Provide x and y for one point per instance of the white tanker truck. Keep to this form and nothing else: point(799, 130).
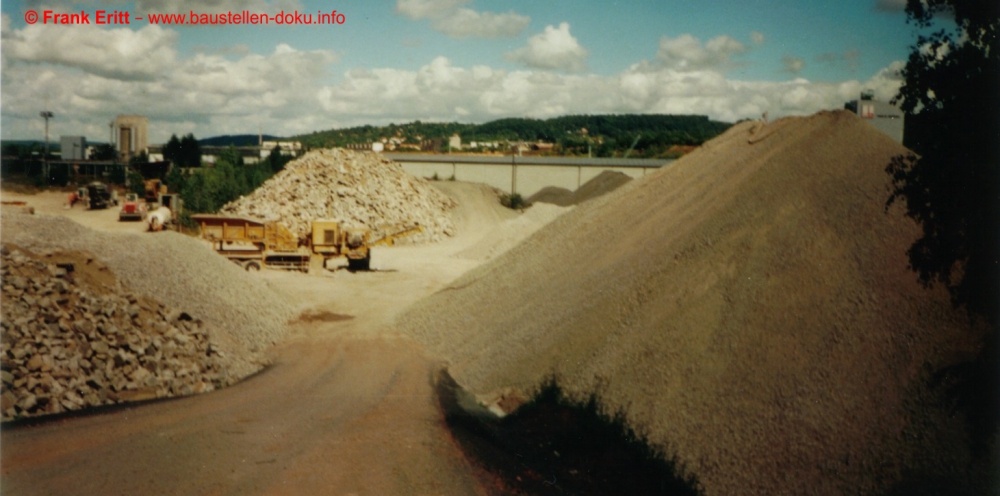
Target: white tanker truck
point(166, 214)
point(159, 218)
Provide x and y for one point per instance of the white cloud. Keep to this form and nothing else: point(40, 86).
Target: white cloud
point(757, 37)
point(443, 92)
point(428, 9)
point(286, 92)
point(116, 53)
point(554, 48)
point(238, 49)
point(793, 65)
point(86, 81)
point(467, 23)
point(452, 19)
point(687, 53)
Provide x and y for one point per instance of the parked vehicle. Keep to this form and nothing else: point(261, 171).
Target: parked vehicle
point(99, 197)
point(132, 208)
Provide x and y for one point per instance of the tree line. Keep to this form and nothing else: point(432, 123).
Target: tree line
point(639, 135)
point(207, 189)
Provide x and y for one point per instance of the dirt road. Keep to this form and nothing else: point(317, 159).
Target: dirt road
point(347, 407)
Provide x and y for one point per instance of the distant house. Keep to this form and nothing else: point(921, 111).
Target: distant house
point(886, 117)
point(250, 154)
point(286, 148)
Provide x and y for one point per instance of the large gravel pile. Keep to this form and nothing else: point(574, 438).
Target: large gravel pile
point(749, 310)
point(243, 313)
point(510, 232)
point(600, 184)
point(71, 341)
point(357, 188)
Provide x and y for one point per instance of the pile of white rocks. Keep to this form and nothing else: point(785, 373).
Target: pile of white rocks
point(356, 188)
point(68, 345)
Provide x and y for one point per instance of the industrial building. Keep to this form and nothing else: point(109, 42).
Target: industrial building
point(73, 147)
point(886, 117)
point(131, 135)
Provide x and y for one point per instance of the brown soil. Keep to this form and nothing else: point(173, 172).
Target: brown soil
point(54, 203)
point(749, 310)
point(332, 416)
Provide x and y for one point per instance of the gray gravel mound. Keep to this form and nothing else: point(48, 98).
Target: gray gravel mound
point(601, 184)
point(748, 310)
point(244, 314)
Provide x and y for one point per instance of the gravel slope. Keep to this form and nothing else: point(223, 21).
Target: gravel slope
point(600, 184)
point(748, 309)
point(243, 313)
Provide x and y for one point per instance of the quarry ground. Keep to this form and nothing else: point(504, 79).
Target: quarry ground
point(347, 406)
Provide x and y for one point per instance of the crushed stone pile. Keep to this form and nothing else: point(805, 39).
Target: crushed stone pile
point(510, 232)
point(556, 195)
point(748, 310)
point(243, 313)
point(68, 344)
point(357, 188)
point(601, 184)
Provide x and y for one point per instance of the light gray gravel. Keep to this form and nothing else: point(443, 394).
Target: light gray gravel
point(244, 313)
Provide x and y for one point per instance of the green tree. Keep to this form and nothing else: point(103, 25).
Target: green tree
point(172, 150)
point(951, 84)
point(175, 179)
point(190, 151)
point(117, 174)
point(207, 190)
point(276, 160)
point(137, 183)
point(13, 150)
point(104, 152)
point(952, 189)
point(139, 159)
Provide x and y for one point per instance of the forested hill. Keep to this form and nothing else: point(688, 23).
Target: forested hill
point(603, 135)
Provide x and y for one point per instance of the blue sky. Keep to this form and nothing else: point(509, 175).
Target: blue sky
point(441, 60)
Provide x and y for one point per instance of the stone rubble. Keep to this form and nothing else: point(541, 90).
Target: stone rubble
point(243, 312)
point(67, 345)
point(356, 188)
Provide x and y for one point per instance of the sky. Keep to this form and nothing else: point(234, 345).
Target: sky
point(396, 61)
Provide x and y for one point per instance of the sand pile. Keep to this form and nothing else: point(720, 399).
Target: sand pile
point(748, 309)
point(601, 184)
point(242, 313)
point(510, 232)
point(358, 188)
point(73, 337)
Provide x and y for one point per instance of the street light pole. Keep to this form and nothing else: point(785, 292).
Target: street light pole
point(45, 158)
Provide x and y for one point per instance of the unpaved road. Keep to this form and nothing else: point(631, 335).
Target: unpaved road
point(347, 407)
